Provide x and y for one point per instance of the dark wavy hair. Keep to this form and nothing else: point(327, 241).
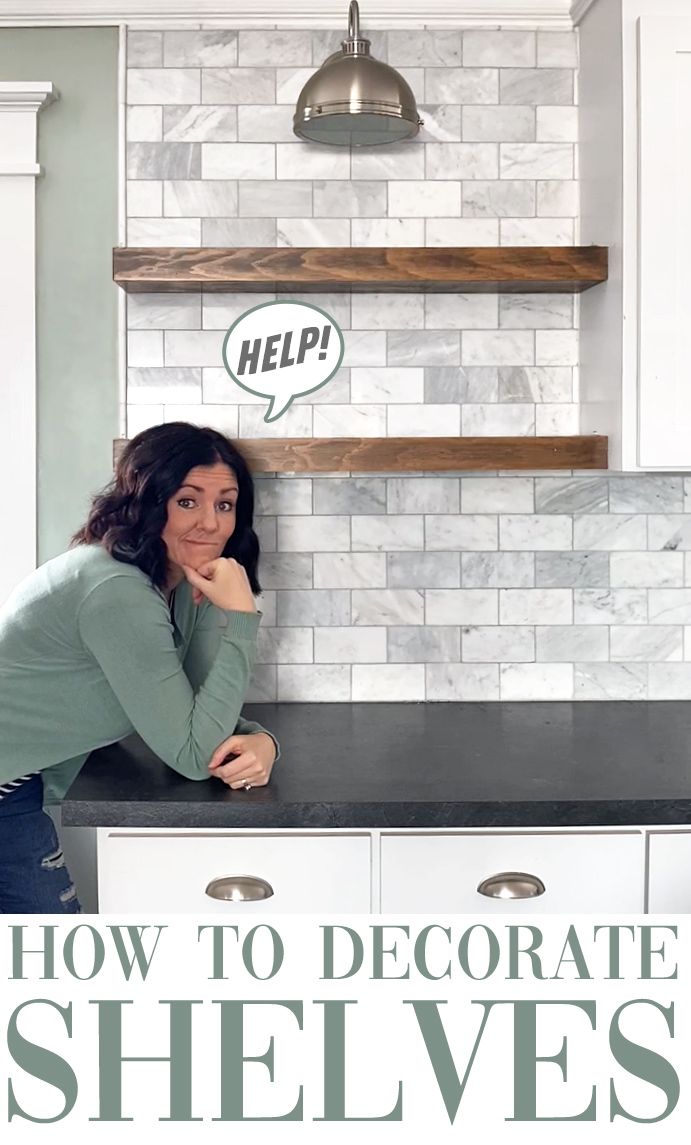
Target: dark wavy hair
point(128, 516)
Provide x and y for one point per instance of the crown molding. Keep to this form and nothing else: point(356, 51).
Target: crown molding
point(286, 13)
point(579, 9)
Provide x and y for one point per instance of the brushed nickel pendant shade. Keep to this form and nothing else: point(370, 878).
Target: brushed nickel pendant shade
point(354, 100)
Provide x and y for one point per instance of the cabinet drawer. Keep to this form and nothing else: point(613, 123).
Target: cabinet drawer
point(170, 872)
point(580, 872)
point(669, 872)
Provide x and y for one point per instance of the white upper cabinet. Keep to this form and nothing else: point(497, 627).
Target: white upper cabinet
point(635, 172)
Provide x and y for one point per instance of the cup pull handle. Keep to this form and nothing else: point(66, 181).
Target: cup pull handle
point(239, 888)
point(512, 885)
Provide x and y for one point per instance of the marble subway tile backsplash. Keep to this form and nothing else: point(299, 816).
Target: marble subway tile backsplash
point(499, 586)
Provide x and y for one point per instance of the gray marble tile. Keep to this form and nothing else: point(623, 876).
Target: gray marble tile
point(611, 681)
point(669, 605)
point(498, 570)
point(429, 47)
point(388, 232)
point(498, 348)
point(382, 311)
point(495, 420)
point(610, 606)
point(571, 495)
point(351, 199)
point(237, 85)
point(388, 606)
point(551, 86)
point(312, 232)
point(163, 160)
point(431, 644)
point(290, 82)
point(497, 644)
point(266, 123)
point(422, 495)
point(462, 85)
point(461, 383)
point(669, 681)
point(239, 232)
point(498, 198)
point(217, 48)
point(646, 642)
point(144, 49)
point(462, 682)
point(314, 534)
point(461, 311)
point(557, 49)
point(423, 348)
point(151, 385)
point(286, 497)
point(572, 570)
point(144, 198)
point(313, 606)
point(650, 493)
point(535, 383)
point(286, 570)
point(349, 495)
point(423, 570)
point(349, 420)
point(397, 161)
point(573, 642)
point(279, 199)
point(505, 48)
point(199, 123)
point(144, 124)
point(262, 687)
point(163, 312)
point(670, 531)
point(200, 198)
point(164, 232)
point(557, 197)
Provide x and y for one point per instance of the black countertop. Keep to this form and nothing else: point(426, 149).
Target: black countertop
point(419, 765)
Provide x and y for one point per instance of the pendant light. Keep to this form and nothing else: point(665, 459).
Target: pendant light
point(354, 100)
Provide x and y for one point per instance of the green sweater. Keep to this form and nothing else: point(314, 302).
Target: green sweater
point(89, 654)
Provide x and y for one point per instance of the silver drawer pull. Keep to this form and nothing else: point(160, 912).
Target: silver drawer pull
point(512, 885)
point(239, 888)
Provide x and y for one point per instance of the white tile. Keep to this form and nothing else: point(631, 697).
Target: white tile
point(193, 348)
point(461, 311)
point(164, 232)
point(144, 124)
point(396, 161)
point(364, 348)
point(388, 232)
point(462, 232)
point(404, 681)
point(238, 161)
point(313, 232)
point(383, 311)
point(423, 420)
point(556, 49)
point(462, 85)
point(646, 642)
point(495, 420)
point(145, 348)
point(572, 642)
point(275, 48)
point(349, 570)
point(557, 420)
point(498, 348)
point(462, 160)
point(467, 532)
point(500, 124)
point(461, 606)
point(669, 605)
point(611, 681)
point(350, 420)
point(313, 683)
point(350, 645)
point(145, 197)
point(215, 48)
point(669, 681)
point(536, 681)
point(291, 498)
point(295, 422)
point(284, 645)
point(535, 606)
point(143, 417)
point(536, 232)
point(557, 198)
point(238, 86)
point(163, 85)
point(647, 570)
point(608, 531)
point(387, 384)
point(556, 347)
point(430, 47)
point(290, 82)
point(422, 495)
point(610, 606)
point(200, 123)
point(497, 643)
point(424, 198)
point(386, 531)
point(144, 49)
point(500, 49)
point(497, 494)
point(222, 418)
point(557, 124)
point(313, 534)
point(311, 161)
point(200, 198)
point(535, 161)
point(387, 606)
point(462, 681)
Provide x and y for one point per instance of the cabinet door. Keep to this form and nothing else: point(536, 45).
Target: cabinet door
point(580, 872)
point(669, 872)
point(170, 872)
point(664, 172)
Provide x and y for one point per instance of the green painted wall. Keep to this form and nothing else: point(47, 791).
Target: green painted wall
point(76, 298)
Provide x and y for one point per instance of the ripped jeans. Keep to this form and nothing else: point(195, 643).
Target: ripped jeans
point(33, 875)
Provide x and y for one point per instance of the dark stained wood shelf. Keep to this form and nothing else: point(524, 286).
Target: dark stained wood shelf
point(562, 269)
point(411, 454)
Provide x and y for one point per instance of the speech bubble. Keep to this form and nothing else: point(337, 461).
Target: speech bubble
point(281, 350)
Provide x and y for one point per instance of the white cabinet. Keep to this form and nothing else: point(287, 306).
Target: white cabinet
point(635, 184)
point(597, 871)
point(169, 872)
point(669, 872)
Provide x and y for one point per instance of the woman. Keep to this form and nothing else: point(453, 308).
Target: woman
point(147, 623)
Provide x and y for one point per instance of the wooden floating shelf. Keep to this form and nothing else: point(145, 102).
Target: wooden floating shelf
point(406, 454)
point(557, 269)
